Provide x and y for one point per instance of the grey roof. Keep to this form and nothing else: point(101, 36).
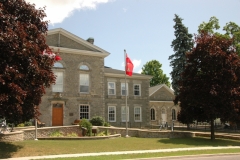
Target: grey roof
point(154, 89)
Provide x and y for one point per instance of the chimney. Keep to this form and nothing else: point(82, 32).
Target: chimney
point(90, 40)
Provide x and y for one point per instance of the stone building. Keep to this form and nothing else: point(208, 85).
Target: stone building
point(85, 88)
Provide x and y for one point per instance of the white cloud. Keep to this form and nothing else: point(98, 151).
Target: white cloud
point(136, 63)
point(124, 10)
point(140, 71)
point(58, 10)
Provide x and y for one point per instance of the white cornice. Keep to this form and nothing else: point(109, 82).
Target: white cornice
point(80, 52)
point(76, 38)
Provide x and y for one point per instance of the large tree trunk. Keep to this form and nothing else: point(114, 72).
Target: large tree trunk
point(212, 130)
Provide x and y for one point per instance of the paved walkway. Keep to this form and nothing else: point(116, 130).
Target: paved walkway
point(121, 152)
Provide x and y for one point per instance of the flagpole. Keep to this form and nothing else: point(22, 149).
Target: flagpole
point(126, 94)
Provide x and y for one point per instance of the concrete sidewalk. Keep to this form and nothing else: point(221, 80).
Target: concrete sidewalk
point(120, 152)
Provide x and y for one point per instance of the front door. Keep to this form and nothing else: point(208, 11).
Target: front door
point(57, 114)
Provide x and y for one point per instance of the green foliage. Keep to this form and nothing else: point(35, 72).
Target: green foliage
point(28, 123)
point(20, 125)
point(86, 124)
point(153, 68)
point(209, 26)
point(73, 134)
point(181, 45)
point(106, 124)
point(56, 133)
point(97, 121)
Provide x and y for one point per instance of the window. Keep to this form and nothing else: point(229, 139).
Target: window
point(163, 111)
point(111, 88)
point(123, 89)
point(84, 111)
point(123, 113)
point(84, 83)
point(58, 86)
point(84, 67)
point(173, 114)
point(137, 114)
point(58, 65)
point(152, 114)
point(111, 113)
point(137, 89)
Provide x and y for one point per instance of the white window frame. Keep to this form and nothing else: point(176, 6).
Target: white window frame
point(86, 84)
point(114, 88)
point(123, 85)
point(113, 115)
point(58, 86)
point(84, 112)
point(123, 114)
point(139, 90)
point(138, 112)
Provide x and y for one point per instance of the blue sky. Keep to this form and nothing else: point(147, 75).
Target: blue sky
point(143, 27)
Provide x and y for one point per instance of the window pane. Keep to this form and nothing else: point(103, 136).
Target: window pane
point(84, 111)
point(58, 65)
point(84, 83)
point(123, 110)
point(137, 90)
point(111, 88)
point(123, 90)
point(111, 114)
point(84, 67)
point(58, 86)
point(137, 114)
point(152, 114)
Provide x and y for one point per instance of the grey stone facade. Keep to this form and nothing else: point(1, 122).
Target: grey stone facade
point(64, 106)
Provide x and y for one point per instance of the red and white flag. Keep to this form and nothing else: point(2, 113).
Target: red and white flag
point(129, 66)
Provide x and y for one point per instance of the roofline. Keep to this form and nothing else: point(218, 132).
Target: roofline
point(163, 85)
point(129, 77)
point(76, 38)
point(163, 101)
point(79, 52)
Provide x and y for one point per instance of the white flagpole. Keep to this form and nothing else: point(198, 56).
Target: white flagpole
point(126, 117)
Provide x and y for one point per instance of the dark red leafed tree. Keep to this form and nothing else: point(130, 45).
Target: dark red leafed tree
point(210, 88)
point(25, 60)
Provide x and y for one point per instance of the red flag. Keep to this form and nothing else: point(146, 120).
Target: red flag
point(129, 66)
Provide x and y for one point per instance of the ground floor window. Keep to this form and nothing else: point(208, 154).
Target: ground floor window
point(84, 111)
point(152, 114)
point(112, 113)
point(137, 114)
point(173, 114)
point(124, 114)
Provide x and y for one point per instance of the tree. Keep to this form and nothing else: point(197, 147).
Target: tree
point(154, 68)
point(232, 30)
point(182, 44)
point(25, 60)
point(210, 87)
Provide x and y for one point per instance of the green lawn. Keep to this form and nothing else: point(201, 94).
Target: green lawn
point(54, 147)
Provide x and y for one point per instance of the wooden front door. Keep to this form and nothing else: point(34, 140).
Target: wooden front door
point(57, 114)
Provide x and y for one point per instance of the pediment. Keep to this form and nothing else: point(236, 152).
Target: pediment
point(161, 93)
point(63, 39)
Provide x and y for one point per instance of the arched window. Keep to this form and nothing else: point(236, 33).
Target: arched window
point(163, 111)
point(58, 65)
point(173, 114)
point(84, 67)
point(152, 114)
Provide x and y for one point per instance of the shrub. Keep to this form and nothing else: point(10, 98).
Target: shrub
point(20, 125)
point(86, 124)
point(72, 134)
point(106, 124)
point(28, 123)
point(97, 121)
point(56, 133)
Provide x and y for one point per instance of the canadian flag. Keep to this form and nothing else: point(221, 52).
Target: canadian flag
point(129, 66)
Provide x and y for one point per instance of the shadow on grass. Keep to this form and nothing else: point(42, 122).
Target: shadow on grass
point(7, 149)
point(200, 141)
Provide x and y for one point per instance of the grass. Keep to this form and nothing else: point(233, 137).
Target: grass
point(55, 147)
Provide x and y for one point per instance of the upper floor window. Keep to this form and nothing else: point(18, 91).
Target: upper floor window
point(111, 88)
point(58, 86)
point(152, 114)
point(137, 90)
point(124, 90)
point(84, 67)
point(84, 83)
point(58, 65)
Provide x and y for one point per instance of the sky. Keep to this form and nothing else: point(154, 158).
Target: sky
point(144, 28)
